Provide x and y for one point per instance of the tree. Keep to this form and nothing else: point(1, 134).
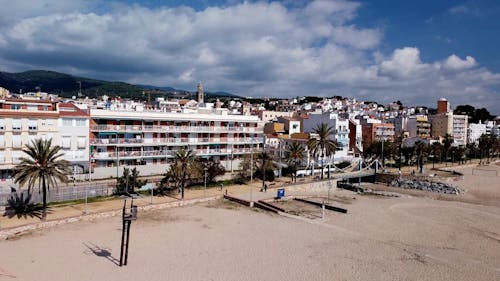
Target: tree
point(265, 166)
point(294, 155)
point(184, 159)
point(322, 145)
point(129, 181)
point(447, 142)
point(43, 168)
point(420, 150)
point(436, 149)
point(214, 169)
point(475, 114)
point(486, 142)
point(245, 169)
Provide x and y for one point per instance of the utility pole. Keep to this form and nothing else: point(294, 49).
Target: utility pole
point(251, 163)
point(263, 162)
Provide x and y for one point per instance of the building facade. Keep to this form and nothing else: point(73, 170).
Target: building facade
point(148, 139)
point(73, 131)
point(22, 120)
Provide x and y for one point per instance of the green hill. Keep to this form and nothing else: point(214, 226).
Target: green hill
point(66, 85)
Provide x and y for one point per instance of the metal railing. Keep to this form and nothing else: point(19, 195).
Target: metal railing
point(164, 153)
point(64, 193)
point(167, 141)
point(155, 128)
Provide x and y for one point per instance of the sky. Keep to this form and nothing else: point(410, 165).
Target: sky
point(377, 50)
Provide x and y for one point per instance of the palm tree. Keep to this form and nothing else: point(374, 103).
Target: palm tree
point(185, 159)
point(436, 150)
point(323, 145)
point(294, 156)
point(420, 150)
point(41, 168)
point(265, 160)
point(447, 142)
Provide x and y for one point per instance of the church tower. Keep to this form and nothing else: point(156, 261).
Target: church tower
point(199, 94)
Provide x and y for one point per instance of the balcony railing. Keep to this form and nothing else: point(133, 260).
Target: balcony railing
point(167, 141)
point(165, 153)
point(155, 128)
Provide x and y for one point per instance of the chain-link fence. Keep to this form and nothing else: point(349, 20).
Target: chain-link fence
point(64, 193)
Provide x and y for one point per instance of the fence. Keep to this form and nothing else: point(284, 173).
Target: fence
point(64, 193)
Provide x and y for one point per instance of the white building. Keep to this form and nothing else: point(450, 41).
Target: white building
point(148, 139)
point(73, 128)
point(341, 127)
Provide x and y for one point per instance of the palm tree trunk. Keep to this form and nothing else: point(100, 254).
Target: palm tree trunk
point(295, 172)
point(44, 197)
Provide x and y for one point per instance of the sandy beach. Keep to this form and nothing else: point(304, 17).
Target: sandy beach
point(412, 237)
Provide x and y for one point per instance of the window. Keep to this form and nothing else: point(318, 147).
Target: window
point(45, 108)
point(32, 107)
point(67, 122)
point(2, 157)
point(16, 141)
point(2, 141)
point(66, 141)
point(82, 141)
point(47, 122)
point(16, 125)
point(16, 155)
point(32, 124)
point(81, 122)
point(32, 138)
point(2, 124)
point(15, 106)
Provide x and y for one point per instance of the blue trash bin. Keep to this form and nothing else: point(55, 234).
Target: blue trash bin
point(281, 193)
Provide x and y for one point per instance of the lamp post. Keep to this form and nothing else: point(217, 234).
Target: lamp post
point(251, 162)
point(205, 185)
point(263, 162)
point(400, 153)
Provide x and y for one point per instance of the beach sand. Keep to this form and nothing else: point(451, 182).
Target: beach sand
point(380, 238)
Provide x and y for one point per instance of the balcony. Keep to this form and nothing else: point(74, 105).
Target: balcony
point(182, 129)
point(171, 141)
point(166, 153)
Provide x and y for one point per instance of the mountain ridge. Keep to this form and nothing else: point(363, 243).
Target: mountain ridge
point(67, 85)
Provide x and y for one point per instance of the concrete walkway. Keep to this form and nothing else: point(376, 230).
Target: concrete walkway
point(77, 210)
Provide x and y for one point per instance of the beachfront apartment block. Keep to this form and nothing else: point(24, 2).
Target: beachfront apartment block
point(22, 120)
point(148, 139)
point(73, 131)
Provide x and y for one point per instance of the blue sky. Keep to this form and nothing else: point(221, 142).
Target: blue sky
point(413, 51)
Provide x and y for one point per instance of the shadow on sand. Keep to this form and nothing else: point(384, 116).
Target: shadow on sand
point(101, 252)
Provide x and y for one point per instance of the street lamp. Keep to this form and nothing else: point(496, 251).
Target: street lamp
point(205, 169)
point(263, 162)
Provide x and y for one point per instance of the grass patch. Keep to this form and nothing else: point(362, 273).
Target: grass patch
point(81, 201)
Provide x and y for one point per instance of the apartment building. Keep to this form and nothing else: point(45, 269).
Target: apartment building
point(475, 131)
point(73, 130)
point(292, 125)
point(269, 115)
point(340, 126)
point(355, 136)
point(377, 132)
point(22, 120)
point(452, 124)
point(148, 139)
point(418, 126)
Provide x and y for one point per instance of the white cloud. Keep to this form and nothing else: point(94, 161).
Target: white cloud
point(453, 62)
point(258, 49)
point(404, 63)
